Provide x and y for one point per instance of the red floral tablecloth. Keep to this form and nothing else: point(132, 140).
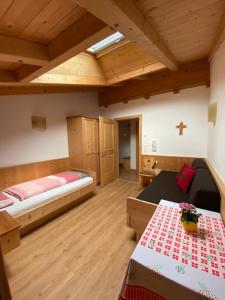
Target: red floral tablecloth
point(169, 263)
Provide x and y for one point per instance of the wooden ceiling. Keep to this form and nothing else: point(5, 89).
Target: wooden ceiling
point(187, 27)
point(45, 41)
point(37, 21)
point(38, 35)
point(115, 65)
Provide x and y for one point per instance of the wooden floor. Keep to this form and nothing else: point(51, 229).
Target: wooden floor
point(81, 255)
point(128, 175)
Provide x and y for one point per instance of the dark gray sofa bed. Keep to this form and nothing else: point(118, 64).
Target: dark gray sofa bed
point(203, 192)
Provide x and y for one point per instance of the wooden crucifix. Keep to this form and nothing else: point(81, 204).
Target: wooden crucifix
point(181, 127)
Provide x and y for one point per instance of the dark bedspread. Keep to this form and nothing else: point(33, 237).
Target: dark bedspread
point(163, 187)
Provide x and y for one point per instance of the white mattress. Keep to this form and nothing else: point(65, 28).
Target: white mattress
point(22, 206)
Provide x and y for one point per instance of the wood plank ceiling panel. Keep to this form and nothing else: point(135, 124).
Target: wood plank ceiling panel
point(188, 27)
point(83, 69)
point(50, 20)
point(19, 15)
point(4, 5)
point(127, 61)
point(38, 20)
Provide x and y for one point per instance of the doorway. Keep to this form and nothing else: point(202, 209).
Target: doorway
point(129, 147)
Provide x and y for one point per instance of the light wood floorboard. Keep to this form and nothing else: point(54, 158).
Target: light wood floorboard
point(81, 255)
point(128, 175)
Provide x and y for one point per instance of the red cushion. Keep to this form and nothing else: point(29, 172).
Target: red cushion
point(184, 177)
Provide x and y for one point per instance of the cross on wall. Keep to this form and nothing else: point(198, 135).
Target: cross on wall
point(181, 127)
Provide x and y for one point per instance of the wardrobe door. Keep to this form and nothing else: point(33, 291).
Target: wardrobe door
point(74, 126)
point(89, 144)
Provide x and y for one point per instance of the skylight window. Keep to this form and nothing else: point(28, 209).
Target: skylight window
point(112, 39)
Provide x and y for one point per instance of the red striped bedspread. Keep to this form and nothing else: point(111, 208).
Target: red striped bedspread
point(5, 201)
point(32, 188)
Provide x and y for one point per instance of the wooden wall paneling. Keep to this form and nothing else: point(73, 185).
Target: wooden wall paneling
point(189, 75)
point(126, 17)
point(168, 163)
point(17, 174)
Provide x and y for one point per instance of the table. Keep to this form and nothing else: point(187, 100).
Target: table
point(9, 240)
point(147, 176)
point(169, 263)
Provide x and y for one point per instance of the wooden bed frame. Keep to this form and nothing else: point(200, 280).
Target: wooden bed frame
point(39, 215)
point(139, 212)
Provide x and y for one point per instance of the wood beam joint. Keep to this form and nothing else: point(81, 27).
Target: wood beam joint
point(77, 38)
point(126, 17)
point(20, 51)
point(189, 75)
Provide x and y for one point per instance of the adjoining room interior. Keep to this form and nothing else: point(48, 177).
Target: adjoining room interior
point(129, 149)
point(112, 178)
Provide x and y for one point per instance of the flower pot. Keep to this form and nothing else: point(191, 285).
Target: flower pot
point(190, 226)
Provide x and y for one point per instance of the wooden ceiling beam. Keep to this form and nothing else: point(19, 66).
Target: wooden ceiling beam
point(125, 17)
point(19, 51)
point(7, 77)
point(219, 38)
point(43, 89)
point(78, 37)
point(140, 71)
point(189, 75)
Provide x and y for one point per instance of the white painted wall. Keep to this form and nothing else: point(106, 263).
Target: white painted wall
point(124, 140)
point(20, 144)
point(161, 114)
point(133, 154)
point(216, 139)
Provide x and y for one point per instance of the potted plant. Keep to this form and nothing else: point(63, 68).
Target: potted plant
point(189, 216)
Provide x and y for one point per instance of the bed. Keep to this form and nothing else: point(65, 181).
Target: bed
point(39, 209)
point(203, 193)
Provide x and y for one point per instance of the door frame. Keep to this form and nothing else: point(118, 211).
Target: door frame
point(139, 145)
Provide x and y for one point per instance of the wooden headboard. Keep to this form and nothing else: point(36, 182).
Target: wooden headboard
point(17, 174)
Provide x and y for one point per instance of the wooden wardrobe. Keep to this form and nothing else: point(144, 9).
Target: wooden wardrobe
point(83, 139)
